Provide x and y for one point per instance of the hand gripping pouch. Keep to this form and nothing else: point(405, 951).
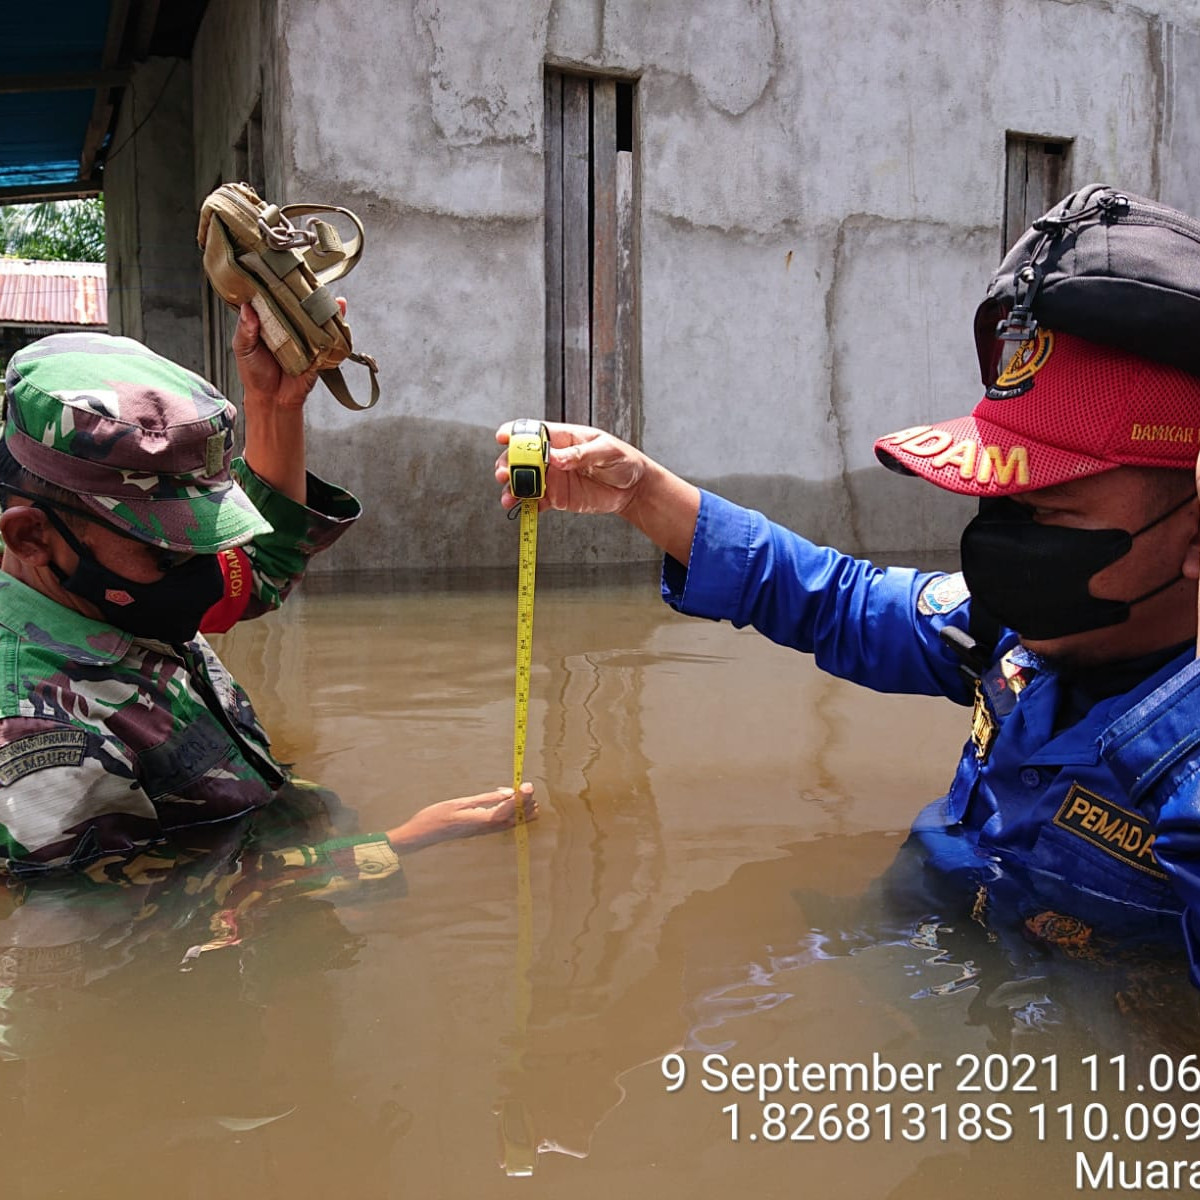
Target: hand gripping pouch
point(254, 252)
point(1105, 265)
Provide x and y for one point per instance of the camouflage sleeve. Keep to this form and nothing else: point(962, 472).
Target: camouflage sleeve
point(71, 804)
point(239, 880)
point(110, 853)
point(66, 931)
point(332, 866)
point(259, 576)
point(233, 888)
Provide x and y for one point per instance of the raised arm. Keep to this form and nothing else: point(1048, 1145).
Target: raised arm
point(273, 404)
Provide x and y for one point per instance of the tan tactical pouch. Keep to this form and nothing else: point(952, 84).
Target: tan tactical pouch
point(253, 252)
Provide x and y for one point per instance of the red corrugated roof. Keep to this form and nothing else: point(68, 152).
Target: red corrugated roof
point(53, 293)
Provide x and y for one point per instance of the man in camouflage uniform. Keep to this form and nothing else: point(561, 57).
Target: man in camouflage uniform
point(126, 530)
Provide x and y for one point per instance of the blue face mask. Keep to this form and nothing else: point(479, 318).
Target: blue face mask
point(1035, 578)
point(168, 610)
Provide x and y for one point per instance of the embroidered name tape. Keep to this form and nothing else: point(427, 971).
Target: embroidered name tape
point(55, 748)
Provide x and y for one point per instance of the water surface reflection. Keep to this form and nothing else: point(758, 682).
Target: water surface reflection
point(714, 873)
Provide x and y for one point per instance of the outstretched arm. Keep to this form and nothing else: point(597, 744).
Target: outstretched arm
point(488, 812)
point(729, 563)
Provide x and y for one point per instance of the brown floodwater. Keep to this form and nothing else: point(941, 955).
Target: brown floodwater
point(705, 888)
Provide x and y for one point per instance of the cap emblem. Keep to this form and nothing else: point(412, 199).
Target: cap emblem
point(1017, 376)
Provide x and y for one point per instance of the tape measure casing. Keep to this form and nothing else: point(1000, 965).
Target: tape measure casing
point(528, 458)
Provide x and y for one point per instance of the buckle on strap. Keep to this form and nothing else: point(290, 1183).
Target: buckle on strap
point(280, 234)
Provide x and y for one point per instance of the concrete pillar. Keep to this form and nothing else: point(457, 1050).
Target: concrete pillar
point(154, 271)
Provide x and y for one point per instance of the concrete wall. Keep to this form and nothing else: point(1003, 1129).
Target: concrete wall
point(235, 62)
point(821, 204)
point(150, 215)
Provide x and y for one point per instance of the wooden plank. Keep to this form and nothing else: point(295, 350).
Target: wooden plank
point(604, 252)
point(103, 106)
point(71, 81)
point(1036, 187)
point(255, 152)
point(145, 21)
point(1016, 158)
point(29, 194)
point(624, 419)
point(553, 150)
point(576, 250)
point(1044, 178)
point(1054, 159)
point(94, 134)
point(208, 333)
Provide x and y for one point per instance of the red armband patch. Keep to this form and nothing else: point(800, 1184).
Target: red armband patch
point(225, 614)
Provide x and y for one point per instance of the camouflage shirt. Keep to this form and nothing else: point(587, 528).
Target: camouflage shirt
point(110, 744)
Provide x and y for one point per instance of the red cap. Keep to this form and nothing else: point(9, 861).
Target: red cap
point(1062, 408)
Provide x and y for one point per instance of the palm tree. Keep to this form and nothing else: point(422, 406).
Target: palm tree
point(59, 230)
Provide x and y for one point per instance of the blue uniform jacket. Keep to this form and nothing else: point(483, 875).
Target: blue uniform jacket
point(1099, 821)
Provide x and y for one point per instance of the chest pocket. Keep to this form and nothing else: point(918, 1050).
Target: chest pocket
point(187, 755)
point(1104, 848)
point(1123, 835)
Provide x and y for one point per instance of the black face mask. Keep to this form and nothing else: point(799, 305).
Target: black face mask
point(1034, 578)
point(168, 610)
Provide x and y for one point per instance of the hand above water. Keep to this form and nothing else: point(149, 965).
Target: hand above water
point(273, 404)
point(591, 471)
point(489, 812)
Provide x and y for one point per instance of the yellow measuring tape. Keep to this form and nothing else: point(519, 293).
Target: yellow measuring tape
point(528, 455)
point(527, 559)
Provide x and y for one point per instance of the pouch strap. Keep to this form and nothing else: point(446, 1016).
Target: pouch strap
point(321, 306)
point(282, 262)
point(329, 255)
point(332, 379)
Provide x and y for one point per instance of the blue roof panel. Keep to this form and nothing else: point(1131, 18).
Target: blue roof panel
point(43, 39)
point(43, 136)
point(41, 132)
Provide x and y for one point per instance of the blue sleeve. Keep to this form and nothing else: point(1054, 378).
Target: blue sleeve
point(861, 622)
point(1154, 751)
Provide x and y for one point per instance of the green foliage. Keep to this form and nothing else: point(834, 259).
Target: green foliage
point(56, 230)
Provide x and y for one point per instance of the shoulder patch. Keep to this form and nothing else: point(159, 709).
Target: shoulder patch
point(1115, 830)
point(942, 594)
point(55, 748)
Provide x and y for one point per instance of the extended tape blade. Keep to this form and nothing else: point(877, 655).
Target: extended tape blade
point(520, 1151)
point(525, 586)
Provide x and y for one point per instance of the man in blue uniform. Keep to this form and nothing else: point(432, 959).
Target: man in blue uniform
point(1071, 629)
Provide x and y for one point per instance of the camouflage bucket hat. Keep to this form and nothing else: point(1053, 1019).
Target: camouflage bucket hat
point(144, 443)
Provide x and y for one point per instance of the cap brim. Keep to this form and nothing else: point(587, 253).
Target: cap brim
point(205, 522)
point(975, 457)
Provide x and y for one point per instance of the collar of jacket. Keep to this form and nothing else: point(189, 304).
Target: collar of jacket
point(58, 629)
point(1082, 741)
